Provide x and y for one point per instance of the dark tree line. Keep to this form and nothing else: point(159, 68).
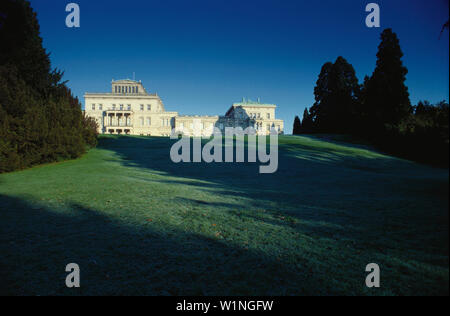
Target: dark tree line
point(379, 110)
point(40, 120)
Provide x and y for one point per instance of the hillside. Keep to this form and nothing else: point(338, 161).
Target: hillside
point(137, 223)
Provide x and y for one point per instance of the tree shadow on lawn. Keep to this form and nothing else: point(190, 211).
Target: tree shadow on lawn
point(36, 244)
point(313, 181)
point(385, 205)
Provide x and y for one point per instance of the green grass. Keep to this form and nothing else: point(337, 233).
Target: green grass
point(137, 223)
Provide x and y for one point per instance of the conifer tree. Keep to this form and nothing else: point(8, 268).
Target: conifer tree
point(40, 120)
point(386, 98)
point(297, 126)
point(307, 123)
point(336, 97)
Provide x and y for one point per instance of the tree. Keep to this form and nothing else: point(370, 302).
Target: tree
point(297, 126)
point(386, 98)
point(41, 121)
point(307, 122)
point(336, 97)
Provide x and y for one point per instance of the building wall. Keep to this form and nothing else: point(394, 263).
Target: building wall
point(132, 110)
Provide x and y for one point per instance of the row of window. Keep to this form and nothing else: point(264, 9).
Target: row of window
point(148, 121)
point(259, 126)
point(191, 125)
point(258, 115)
point(121, 107)
point(126, 89)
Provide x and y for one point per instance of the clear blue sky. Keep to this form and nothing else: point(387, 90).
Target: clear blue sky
point(200, 56)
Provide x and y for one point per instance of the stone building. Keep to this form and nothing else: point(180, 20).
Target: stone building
point(130, 109)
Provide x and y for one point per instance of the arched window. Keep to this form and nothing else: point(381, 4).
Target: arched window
point(149, 121)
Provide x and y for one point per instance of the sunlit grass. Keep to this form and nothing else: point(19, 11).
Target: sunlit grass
point(139, 224)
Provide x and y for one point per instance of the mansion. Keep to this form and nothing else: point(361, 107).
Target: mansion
point(130, 109)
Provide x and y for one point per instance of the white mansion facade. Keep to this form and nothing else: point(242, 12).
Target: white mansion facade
point(130, 109)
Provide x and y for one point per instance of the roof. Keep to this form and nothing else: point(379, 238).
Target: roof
point(248, 102)
point(125, 81)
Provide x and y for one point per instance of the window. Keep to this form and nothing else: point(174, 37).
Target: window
point(115, 89)
point(149, 107)
point(268, 115)
point(268, 127)
point(141, 119)
point(100, 107)
point(93, 107)
point(142, 107)
point(137, 89)
point(259, 115)
point(203, 125)
point(149, 121)
point(129, 107)
point(132, 89)
point(121, 107)
point(113, 107)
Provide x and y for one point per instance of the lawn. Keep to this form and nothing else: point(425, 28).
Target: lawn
point(138, 224)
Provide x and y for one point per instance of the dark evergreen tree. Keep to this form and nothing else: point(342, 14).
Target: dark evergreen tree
point(320, 110)
point(307, 122)
point(386, 98)
point(297, 126)
point(336, 97)
point(40, 119)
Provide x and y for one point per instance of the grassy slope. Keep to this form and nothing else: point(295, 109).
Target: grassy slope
point(137, 223)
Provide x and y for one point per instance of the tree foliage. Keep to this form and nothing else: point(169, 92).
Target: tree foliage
point(386, 98)
point(297, 126)
point(379, 109)
point(336, 94)
point(40, 120)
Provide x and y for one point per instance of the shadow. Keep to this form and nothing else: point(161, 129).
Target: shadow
point(350, 196)
point(308, 229)
point(36, 244)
